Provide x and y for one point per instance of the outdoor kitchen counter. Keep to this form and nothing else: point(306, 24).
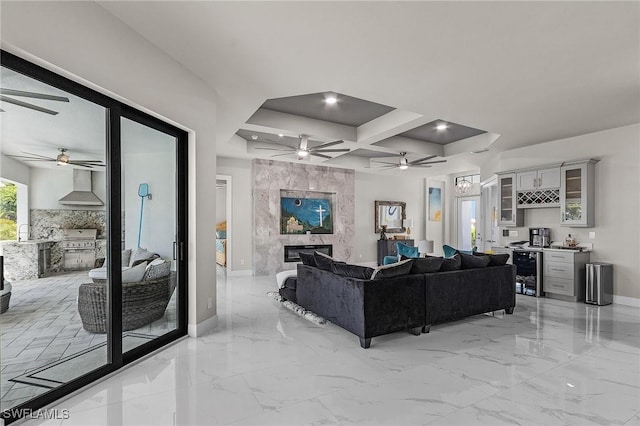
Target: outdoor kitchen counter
point(26, 260)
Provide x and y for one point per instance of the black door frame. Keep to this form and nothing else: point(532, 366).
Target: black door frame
point(115, 110)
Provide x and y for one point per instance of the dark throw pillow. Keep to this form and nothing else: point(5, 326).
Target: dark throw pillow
point(353, 271)
point(308, 259)
point(324, 261)
point(496, 259)
point(426, 265)
point(392, 270)
point(470, 261)
point(452, 263)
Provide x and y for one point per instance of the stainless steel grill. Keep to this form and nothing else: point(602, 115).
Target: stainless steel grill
point(79, 248)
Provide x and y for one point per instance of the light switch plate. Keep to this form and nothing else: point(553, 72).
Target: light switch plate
point(592, 235)
point(513, 233)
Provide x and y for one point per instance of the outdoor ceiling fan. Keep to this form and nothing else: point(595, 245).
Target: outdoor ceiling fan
point(303, 151)
point(6, 93)
point(61, 159)
point(404, 164)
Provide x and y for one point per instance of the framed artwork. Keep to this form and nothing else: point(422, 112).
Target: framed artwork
point(390, 214)
point(435, 204)
point(305, 215)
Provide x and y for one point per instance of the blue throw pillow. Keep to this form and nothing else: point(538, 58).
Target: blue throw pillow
point(449, 251)
point(407, 251)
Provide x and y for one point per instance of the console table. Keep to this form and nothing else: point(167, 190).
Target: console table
point(388, 248)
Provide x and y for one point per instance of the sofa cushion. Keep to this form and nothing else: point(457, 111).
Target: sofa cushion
point(308, 259)
point(426, 265)
point(393, 270)
point(452, 263)
point(408, 251)
point(158, 268)
point(470, 261)
point(496, 259)
point(324, 261)
point(135, 273)
point(353, 271)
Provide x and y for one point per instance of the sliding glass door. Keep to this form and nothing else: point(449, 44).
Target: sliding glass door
point(95, 241)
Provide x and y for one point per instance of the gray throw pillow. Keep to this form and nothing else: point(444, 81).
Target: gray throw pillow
point(308, 259)
point(134, 274)
point(126, 257)
point(157, 269)
point(323, 261)
point(139, 254)
point(392, 270)
point(495, 259)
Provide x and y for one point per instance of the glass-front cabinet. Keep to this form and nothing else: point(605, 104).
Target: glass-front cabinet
point(577, 193)
point(509, 214)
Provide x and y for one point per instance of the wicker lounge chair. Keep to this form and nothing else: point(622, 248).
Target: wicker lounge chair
point(142, 303)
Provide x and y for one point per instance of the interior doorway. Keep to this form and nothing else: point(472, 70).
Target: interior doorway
point(223, 224)
point(468, 214)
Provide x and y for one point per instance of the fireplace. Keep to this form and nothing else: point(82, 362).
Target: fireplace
point(292, 253)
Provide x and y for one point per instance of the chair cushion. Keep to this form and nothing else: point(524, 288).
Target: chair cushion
point(450, 251)
point(158, 268)
point(408, 251)
point(388, 260)
point(353, 271)
point(394, 270)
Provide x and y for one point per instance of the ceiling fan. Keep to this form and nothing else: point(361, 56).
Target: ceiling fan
point(303, 151)
point(404, 164)
point(6, 93)
point(61, 159)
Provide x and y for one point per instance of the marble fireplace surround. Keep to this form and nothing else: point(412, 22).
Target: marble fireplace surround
point(269, 178)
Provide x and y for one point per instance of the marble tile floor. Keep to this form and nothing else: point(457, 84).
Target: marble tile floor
point(42, 326)
point(550, 363)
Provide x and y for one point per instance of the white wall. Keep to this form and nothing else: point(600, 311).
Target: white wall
point(159, 214)
point(91, 46)
point(47, 186)
point(392, 187)
point(617, 198)
point(221, 204)
point(241, 241)
point(13, 170)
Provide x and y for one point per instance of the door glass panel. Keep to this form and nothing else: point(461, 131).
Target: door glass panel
point(149, 293)
point(573, 195)
point(467, 222)
point(506, 199)
point(54, 228)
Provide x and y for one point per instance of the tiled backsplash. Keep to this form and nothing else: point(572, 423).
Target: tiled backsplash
point(48, 224)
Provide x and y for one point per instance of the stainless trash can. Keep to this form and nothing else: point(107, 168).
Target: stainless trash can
point(599, 289)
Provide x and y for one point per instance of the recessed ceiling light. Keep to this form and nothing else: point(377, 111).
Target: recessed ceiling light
point(331, 100)
point(254, 137)
point(441, 126)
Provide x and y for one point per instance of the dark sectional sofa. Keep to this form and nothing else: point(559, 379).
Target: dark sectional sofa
point(413, 302)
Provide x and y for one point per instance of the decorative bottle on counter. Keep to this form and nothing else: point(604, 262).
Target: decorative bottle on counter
point(570, 241)
point(383, 229)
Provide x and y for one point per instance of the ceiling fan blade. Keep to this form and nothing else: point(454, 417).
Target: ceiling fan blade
point(420, 160)
point(384, 162)
point(87, 161)
point(275, 149)
point(429, 162)
point(23, 158)
point(331, 150)
point(26, 105)
point(279, 143)
point(22, 93)
point(86, 164)
point(328, 144)
point(320, 155)
point(286, 153)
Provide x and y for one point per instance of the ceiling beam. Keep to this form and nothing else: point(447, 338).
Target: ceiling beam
point(298, 125)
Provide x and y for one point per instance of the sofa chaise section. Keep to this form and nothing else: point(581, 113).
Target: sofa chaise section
point(366, 308)
point(458, 294)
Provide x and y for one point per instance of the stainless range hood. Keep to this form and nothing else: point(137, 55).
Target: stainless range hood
point(82, 194)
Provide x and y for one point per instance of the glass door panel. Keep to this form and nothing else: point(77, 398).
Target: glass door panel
point(149, 194)
point(53, 328)
point(573, 195)
point(468, 209)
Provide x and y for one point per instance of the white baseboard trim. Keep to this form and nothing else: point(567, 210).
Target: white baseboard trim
point(240, 273)
point(628, 301)
point(202, 328)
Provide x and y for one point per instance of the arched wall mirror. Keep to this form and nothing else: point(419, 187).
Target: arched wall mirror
point(390, 214)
